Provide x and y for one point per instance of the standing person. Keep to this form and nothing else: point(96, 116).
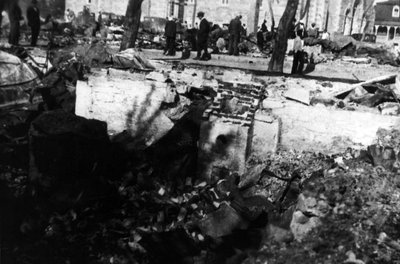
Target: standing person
point(260, 39)
point(192, 35)
point(264, 26)
point(66, 15)
point(15, 16)
point(298, 54)
point(300, 26)
point(71, 15)
point(313, 31)
point(325, 35)
point(99, 23)
point(100, 18)
point(292, 29)
point(235, 28)
point(170, 34)
point(33, 15)
point(202, 37)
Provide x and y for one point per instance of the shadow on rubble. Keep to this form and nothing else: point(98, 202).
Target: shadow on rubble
point(172, 158)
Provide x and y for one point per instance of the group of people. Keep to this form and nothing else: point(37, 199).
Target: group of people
point(200, 39)
point(201, 33)
point(299, 32)
point(34, 21)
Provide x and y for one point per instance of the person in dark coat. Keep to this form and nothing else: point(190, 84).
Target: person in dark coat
point(260, 39)
point(170, 34)
point(264, 26)
point(202, 38)
point(33, 15)
point(292, 29)
point(15, 17)
point(235, 28)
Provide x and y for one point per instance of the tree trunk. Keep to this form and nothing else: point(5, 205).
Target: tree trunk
point(132, 23)
point(194, 13)
point(256, 15)
point(271, 12)
point(278, 56)
point(327, 16)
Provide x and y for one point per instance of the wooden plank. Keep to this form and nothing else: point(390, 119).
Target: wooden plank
point(371, 81)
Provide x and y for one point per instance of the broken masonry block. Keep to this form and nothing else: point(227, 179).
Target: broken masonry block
point(327, 130)
point(266, 134)
point(65, 148)
point(134, 106)
point(222, 222)
point(222, 145)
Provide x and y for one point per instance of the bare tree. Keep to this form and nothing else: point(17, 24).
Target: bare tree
point(278, 56)
point(132, 23)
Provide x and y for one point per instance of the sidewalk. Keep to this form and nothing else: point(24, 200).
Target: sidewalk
point(335, 70)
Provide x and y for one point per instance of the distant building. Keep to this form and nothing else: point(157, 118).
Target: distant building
point(55, 8)
point(344, 16)
point(353, 16)
point(387, 21)
point(216, 11)
point(117, 7)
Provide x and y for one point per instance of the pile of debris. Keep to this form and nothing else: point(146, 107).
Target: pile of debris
point(188, 165)
point(350, 50)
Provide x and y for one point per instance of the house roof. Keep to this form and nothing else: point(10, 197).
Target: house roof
point(389, 2)
point(383, 13)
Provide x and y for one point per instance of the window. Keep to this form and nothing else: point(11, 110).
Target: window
point(225, 2)
point(89, 1)
point(396, 11)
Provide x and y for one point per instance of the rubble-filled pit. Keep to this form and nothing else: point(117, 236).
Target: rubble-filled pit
point(201, 165)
